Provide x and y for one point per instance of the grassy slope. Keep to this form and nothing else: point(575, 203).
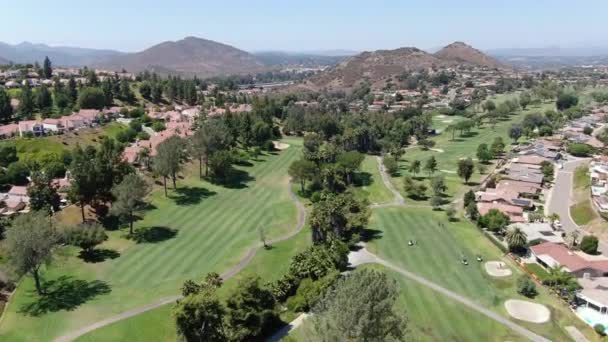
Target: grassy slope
point(372, 188)
point(158, 325)
point(214, 225)
point(462, 147)
point(437, 257)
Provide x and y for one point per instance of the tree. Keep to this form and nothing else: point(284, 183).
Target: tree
point(526, 286)
point(580, 149)
point(524, 99)
point(415, 190)
point(44, 100)
point(72, 90)
point(431, 165)
point(220, 164)
point(26, 101)
point(43, 194)
point(589, 244)
point(249, 311)
point(566, 101)
point(450, 212)
point(489, 106)
point(85, 235)
point(465, 169)
point(29, 244)
point(211, 137)
point(438, 185)
point(515, 132)
point(199, 316)
point(145, 89)
point(129, 195)
point(168, 159)
point(6, 110)
point(498, 147)
point(548, 170)
point(337, 217)
point(91, 98)
point(469, 197)
point(359, 307)
point(301, 171)
point(588, 130)
point(83, 170)
point(436, 202)
point(47, 70)
point(350, 162)
point(471, 211)
point(483, 153)
point(494, 220)
point(8, 155)
point(516, 239)
point(414, 167)
point(390, 165)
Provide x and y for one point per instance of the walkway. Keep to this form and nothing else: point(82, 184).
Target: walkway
point(398, 199)
point(225, 276)
point(363, 256)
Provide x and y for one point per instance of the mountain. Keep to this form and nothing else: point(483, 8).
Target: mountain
point(3, 61)
point(379, 66)
point(460, 52)
point(274, 58)
point(189, 56)
point(27, 52)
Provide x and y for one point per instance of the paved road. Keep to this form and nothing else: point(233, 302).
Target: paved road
point(225, 276)
point(560, 199)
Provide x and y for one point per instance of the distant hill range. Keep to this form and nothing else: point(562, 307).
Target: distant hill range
point(279, 58)
point(60, 55)
point(378, 66)
point(189, 56)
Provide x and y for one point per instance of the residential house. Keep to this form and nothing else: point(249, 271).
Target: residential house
point(515, 213)
point(578, 263)
point(538, 232)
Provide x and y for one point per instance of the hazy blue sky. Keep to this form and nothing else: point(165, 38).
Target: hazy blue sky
point(132, 25)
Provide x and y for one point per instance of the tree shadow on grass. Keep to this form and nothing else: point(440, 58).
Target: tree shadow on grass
point(363, 179)
point(153, 234)
point(65, 293)
point(369, 234)
point(98, 255)
point(190, 195)
point(237, 179)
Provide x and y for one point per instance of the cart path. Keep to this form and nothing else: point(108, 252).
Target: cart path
point(225, 276)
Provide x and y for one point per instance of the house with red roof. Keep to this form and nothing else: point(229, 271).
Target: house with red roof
point(578, 263)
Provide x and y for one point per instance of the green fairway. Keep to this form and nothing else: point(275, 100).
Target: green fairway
point(158, 324)
point(372, 187)
point(200, 228)
point(433, 317)
point(437, 257)
point(448, 151)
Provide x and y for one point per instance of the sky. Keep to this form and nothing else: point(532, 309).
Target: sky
point(307, 25)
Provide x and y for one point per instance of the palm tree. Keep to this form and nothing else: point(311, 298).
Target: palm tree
point(572, 238)
point(553, 217)
point(516, 238)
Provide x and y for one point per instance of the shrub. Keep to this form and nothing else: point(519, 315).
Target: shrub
point(391, 165)
point(589, 244)
point(599, 328)
point(526, 286)
point(580, 150)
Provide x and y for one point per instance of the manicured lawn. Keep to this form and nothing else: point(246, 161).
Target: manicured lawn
point(581, 178)
point(372, 186)
point(434, 317)
point(158, 324)
point(538, 271)
point(200, 228)
point(437, 257)
point(451, 151)
point(582, 212)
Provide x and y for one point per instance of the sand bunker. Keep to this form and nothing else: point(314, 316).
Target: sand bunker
point(497, 269)
point(279, 145)
point(527, 311)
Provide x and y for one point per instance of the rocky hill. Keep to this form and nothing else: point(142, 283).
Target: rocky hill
point(189, 56)
point(460, 52)
point(378, 66)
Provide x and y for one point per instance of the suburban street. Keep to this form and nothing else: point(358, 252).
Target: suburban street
point(560, 199)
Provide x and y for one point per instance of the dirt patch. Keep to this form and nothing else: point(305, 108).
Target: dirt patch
point(527, 311)
point(497, 269)
point(280, 146)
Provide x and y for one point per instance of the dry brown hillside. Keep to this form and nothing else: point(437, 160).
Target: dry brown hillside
point(460, 52)
point(189, 56)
